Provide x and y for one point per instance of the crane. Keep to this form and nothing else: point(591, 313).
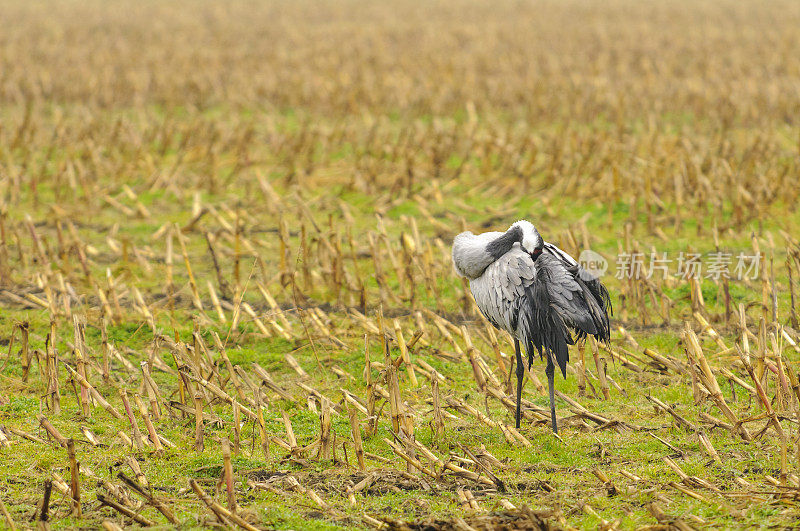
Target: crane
point(534, 291)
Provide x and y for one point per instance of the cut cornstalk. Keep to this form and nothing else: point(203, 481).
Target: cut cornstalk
point(228, 474)
point(355, 429)
point(401, 343)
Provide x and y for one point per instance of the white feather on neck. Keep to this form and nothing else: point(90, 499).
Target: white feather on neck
point(530, 236)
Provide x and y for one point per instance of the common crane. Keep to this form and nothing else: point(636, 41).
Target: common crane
point(534, 291)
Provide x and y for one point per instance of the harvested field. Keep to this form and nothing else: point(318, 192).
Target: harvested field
point(226, 290)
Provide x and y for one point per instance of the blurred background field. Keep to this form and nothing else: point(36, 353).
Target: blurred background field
point(198, 186)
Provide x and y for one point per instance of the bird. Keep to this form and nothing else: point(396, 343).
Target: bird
point(536, 292)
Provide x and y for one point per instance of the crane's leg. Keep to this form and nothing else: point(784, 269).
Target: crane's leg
point(550, 371)
point(520, 376)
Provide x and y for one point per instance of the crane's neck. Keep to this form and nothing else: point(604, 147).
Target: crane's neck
point(502, 244)
point(473, 254)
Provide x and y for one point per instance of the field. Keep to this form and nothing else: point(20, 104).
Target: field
point(226, 291)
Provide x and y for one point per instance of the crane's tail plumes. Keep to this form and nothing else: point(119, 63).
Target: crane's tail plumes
point(542, 328)
point(554, 307)
point(598, 307)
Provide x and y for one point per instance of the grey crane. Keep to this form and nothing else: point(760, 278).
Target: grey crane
point(534, 291)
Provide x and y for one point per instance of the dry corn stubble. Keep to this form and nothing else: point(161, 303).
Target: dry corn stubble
point(233, 195)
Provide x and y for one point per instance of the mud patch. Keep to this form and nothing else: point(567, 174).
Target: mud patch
point(517, 519)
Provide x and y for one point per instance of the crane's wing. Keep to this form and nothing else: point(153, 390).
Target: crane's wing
point(500, 291)
point(590, 283)
point(538, 302)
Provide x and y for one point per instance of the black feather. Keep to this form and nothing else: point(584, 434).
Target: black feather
point(593, 291)
point(542, 327)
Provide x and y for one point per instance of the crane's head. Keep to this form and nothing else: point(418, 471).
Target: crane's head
point(531, 241)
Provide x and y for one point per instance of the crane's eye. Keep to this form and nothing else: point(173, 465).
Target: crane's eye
point(536, 252)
